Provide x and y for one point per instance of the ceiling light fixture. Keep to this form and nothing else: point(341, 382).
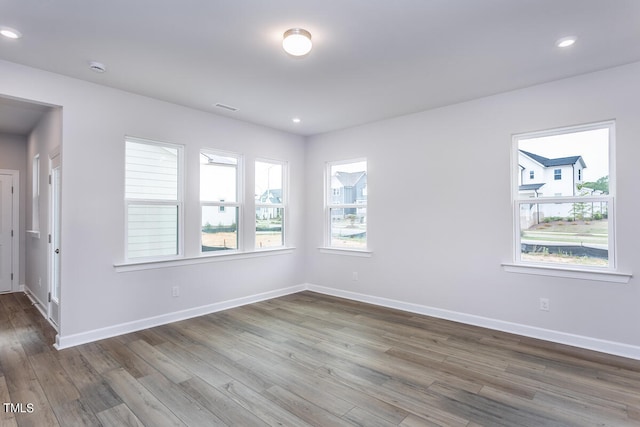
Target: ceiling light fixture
point(297, 42)
point(296, 120)
point(10, 33)
point(566, 41)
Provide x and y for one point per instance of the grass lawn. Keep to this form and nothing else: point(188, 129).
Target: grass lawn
point(571, 232)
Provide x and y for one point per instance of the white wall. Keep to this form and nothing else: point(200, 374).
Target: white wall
point(95, 120)
point(13, 155)
point(438, 245)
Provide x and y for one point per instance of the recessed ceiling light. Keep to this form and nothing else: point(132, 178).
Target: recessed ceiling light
point(296, 120)
point(566, 41)
point(10, 33)
point(297, 42)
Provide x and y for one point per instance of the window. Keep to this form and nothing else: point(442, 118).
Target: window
point(575, 226)
point(557, 174)
point(346, 204)
point(153, 198)
point(270, 199)
point(532, 174)
point(35, 194)
point(219, 200)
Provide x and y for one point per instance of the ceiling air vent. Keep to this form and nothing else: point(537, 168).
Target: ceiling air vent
point(226, 107)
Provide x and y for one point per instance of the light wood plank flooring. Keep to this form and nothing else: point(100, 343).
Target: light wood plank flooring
point(307, 359)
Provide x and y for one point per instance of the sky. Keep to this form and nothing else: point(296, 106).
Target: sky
point(592, 145)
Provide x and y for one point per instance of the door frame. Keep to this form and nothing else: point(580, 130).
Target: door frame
point(54, 318)
point(15, 226)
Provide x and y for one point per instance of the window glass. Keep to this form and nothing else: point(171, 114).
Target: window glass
point(269, 196)
point(153, 198)
point(347, 205)
point(563, 216)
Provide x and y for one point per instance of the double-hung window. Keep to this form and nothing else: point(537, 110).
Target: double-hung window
point(220, 198)
point(565, 222)
point(270, 203)
point(153, 199)
point(346, 204)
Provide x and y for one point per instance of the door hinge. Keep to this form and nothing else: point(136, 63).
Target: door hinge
point(49, 238)
point(49, 179)
point(49, 297)
point(11, 233)
point(11, 189)
point(12, 277)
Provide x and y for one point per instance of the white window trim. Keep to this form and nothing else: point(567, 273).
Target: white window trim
point(327, 248)
point(284, 191)
point(179, 202)
point(239, 203)
point(608, 273)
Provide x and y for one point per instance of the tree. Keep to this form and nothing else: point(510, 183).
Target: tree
point(602, 184)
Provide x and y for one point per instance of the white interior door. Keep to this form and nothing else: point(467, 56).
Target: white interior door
point(54, 247)
point(6, 231)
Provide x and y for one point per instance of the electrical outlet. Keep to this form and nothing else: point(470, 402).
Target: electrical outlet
point(175, 291)
point(354, 276)
point(544, 304)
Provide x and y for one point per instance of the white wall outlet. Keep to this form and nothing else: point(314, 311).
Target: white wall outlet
point(175, 291)
point(544, 304)
point(354, 276)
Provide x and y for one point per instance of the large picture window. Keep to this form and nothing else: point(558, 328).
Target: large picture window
point(565, 216)
point(219, 200)
point(270, 203)
point(153, 198)
point(346, 204)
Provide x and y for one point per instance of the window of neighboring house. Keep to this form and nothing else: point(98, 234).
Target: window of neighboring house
point(575, 226)
point(153, 198)
point(579, 174)
point(346, 204)
point(270, 203)
point(219, 200)
point(532, 175)
point(35, 194)
point(557, 174)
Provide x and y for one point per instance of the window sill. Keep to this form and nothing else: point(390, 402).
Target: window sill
point(572, 273)
point(33, 233)
point(202, 259)
point(348, 252)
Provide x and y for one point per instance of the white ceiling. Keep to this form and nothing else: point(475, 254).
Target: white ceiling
point(372, 59)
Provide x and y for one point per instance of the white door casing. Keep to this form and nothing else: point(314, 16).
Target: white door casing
point(55, 172)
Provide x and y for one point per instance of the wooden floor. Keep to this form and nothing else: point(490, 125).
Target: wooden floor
point(307, 359)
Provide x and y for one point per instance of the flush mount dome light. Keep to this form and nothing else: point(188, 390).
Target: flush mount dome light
point(10, 33)
point(566, 41)
point(297, 42)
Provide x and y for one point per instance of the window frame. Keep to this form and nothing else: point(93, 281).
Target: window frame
point(223, 204)
point(179, 202)
point(328, 206)
point(517, 201)
point(284, 195)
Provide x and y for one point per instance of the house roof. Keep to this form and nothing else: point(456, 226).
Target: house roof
point(561, 161)
point(349, 179)
point(530, 187)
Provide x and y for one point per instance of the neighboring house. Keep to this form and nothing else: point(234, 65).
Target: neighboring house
point(270, 197)
point(543, 177)
point(348, 188)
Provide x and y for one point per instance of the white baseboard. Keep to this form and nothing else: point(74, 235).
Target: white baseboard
point(34, 300)
point(67, 341)
point(610, 347)
point(596, 344)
